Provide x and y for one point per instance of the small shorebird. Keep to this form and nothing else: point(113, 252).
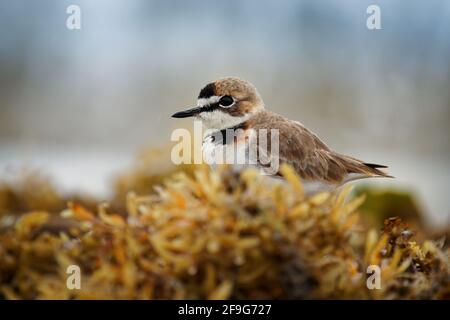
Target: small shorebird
point(234, 104)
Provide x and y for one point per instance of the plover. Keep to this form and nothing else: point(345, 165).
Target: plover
point(232, 104)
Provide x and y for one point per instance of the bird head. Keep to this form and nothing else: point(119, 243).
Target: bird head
point(225, 103)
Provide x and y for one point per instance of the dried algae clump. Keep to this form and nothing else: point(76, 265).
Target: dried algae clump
point(218, 234)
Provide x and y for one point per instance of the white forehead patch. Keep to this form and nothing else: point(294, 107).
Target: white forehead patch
point(207, 101)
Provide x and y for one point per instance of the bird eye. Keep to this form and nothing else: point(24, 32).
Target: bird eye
point(226, 101)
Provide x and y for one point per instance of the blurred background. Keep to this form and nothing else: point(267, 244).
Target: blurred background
point(78, 104)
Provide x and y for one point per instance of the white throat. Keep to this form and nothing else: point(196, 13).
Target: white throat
point(217, 120)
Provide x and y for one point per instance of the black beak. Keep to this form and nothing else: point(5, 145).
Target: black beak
point(187, 113)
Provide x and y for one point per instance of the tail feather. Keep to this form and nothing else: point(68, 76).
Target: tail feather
point(359, 167)
point(374, 165)
point(374, 169)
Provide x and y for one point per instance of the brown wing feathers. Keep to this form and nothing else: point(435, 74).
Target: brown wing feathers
point(310, 157)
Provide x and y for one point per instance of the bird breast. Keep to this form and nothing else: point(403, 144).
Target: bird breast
point(235, 152)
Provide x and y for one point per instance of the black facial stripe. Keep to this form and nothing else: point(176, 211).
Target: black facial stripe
point(207, 91)
point(217, 106)
point(211, 107)
point(214, 107)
